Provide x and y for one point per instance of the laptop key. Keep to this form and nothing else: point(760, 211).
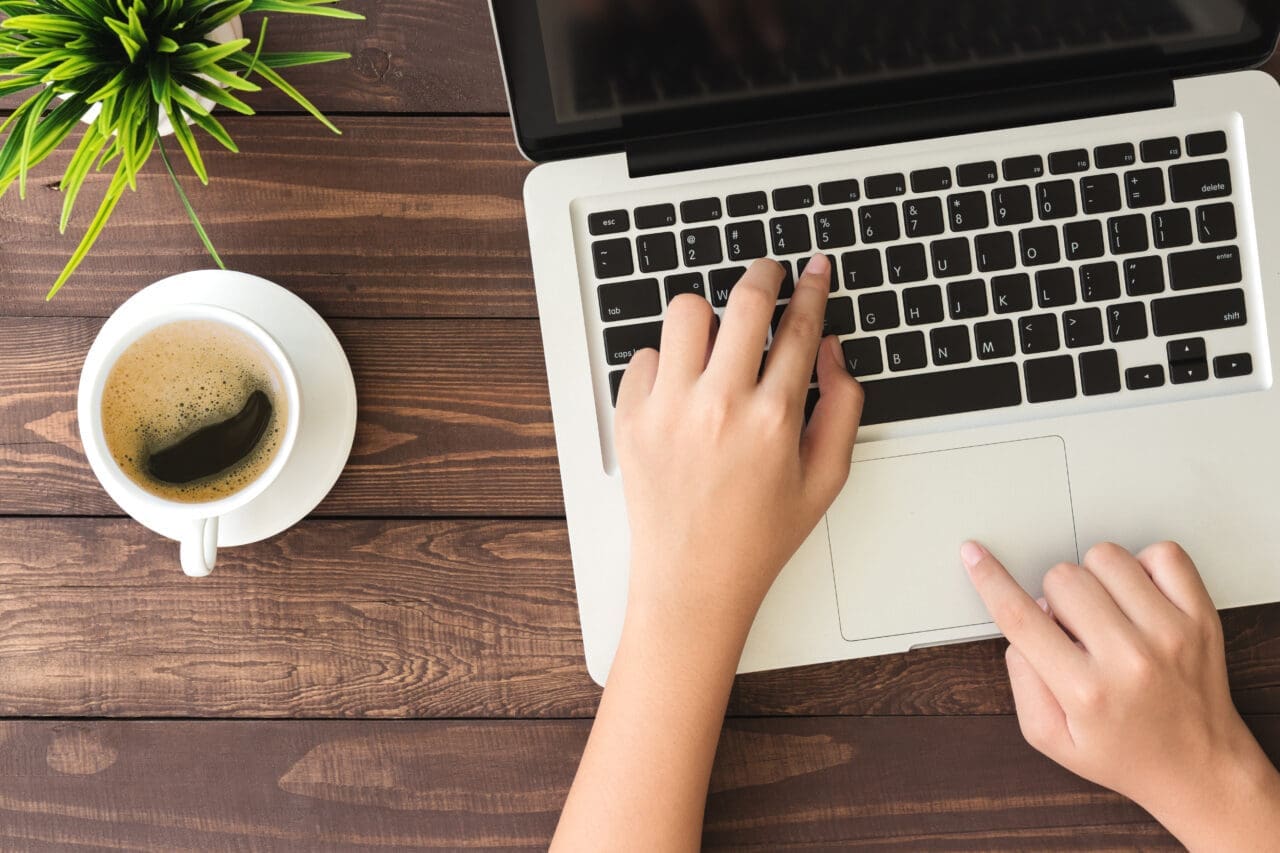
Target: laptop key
point(878, 222)
point(1200, 180)
point(1216, 222)
point(862, 356)
point(976, 174)
point(1205, 268)
point(722, 282)
point(688, 282)
point(1198, 312)
point(838, 192)
point(995, 251)
point(1039, 245)
point(1144, 187)
point(994, 339)
point(1114, 156)
point(747, 204)
point(1128, 234)
point(923, 217)
point(1157, 150)
point(883, 186)
point(833, 228)
point(1127, 322)
point(1011, 293)
point(655, 216)
point(1050, 379)
point(931, 180)
point(1099, 282)
point(1038, 333)
point(700, 210)
point(1064, 162)
point(1056, 199)
point(1100, 193)
point(838, 319)
point(1099, 372)
point(790, 234)
point(1204, 144)
point(1188, 371)
point(1146, 376)
point(701, 246)
point(615, 382)
point(1228, 366)
point(942, 392)
point(1185, 349)
point(950, 345)
point(1055, 287)
point(906, 263)
point(1171, 228)
point(608, 222)
point(621, 342)
point(877, 311)
point(905, 350)
point(793, 198)
point(1143, 276)
point(922, 304)
point(967, 211)
point(1083, 240)
point(1082, 328)
point(629, 300)
point(1010, 206)
point(967, 299)
point(1023, 168)
point(788, 287)
point(950, 257)
point(657, 252)
point(745, 240)
point(612, 258)
point(862, 269)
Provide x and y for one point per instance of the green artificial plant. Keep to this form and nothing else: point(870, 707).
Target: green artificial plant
point(131, 60)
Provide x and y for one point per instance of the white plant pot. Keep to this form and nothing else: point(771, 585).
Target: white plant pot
point(230, 31)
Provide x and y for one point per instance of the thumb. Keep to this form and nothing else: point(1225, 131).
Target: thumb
point(826, 447)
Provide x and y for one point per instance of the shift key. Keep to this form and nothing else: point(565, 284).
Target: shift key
point(1198, 312)
point(1204, 268)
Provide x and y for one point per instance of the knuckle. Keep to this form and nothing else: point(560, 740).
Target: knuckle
point(751, 296)
point(1167, 552)
point(1104, 552)
point(687, 307)
point(1010, 616)
point(1059, 577)
point(800, 323)
point(1090, 695)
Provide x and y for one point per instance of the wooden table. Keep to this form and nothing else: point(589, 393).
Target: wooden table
point(404, 669)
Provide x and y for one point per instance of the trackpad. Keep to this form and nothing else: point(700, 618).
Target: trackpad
point(896, 531)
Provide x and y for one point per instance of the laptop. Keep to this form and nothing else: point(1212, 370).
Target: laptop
point(1055, 241)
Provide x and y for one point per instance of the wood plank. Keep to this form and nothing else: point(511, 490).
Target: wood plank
point(954, 783)
point(410, 56)
point(398, 217)
point(401, 619)
point(454, 420)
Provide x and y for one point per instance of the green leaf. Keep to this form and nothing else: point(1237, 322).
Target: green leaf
point(29, 137)
point(279, 82)
point(166, 45)
point(191, 211)
point(288, 59)
point(91, 145)
point(214, 19)
point(214, 128)
point(158, 72)
point(303, 9)
point(217, 94)
point(45, 25)
point(218, 74)
point(114, 191)
point(187, 141)
point(187, 101)
point(203, 57)
point(131, 46)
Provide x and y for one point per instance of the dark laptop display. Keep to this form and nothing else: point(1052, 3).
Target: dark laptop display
point(587, 75)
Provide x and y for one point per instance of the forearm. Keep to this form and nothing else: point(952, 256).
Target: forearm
point(1234, 807)
point(642, 782)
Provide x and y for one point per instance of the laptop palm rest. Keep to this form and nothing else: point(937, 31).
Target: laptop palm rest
point(896, 529)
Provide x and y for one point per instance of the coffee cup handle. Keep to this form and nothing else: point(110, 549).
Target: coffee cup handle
point(200, 547)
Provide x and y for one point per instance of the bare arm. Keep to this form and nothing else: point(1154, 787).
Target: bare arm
point(723, 482)
point(1138, 701)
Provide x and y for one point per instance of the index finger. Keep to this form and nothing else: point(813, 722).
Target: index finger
point(1040, 639)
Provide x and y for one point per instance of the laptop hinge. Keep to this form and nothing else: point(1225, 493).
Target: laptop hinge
point(1021, 107)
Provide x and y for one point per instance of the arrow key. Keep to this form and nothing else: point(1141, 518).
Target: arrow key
point(1188, 371)
point(1226, 366)
point(1186, 349)
point(1150, 376)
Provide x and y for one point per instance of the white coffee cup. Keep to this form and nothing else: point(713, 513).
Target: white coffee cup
point(199, 521)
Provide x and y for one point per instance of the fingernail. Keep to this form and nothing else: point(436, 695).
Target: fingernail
point(818, 265)
point(971, 553)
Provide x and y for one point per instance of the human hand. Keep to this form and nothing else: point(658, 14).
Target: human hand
point(1138, 701)
point(723, 480)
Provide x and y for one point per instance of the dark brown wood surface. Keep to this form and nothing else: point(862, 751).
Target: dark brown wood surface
point(403, 669)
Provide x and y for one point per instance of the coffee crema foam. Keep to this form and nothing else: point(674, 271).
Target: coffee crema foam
point(177, 379)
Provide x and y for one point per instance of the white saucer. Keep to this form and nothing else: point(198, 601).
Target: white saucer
point(325, 383)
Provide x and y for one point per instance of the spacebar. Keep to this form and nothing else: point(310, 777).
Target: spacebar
point(949, 392)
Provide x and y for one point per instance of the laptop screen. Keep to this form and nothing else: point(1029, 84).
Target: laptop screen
point(588, 75)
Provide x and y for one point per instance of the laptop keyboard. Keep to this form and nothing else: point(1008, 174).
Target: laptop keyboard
point(969, 286)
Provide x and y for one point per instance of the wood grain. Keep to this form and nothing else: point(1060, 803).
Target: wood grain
point(398, 217)
point(825, 783)
point(454, 420)
point(409, 56)
point(401, 619)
